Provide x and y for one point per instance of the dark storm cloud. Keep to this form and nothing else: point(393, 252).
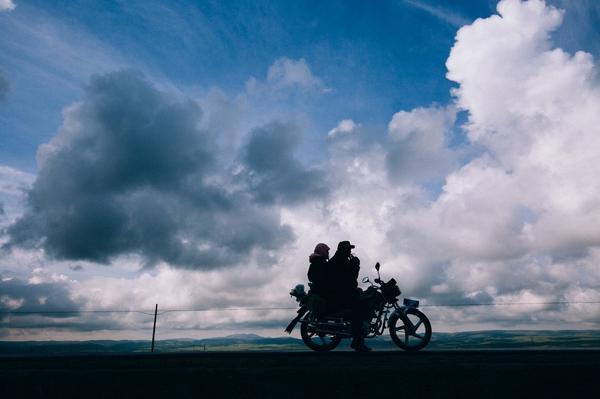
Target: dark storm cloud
point(18, 295)
point(4, 87)
point(131, 172)
point(274, 174)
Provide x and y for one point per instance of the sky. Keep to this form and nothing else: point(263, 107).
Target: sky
point(193, 153)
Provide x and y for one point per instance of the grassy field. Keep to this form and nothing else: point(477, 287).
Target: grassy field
point(440, 341)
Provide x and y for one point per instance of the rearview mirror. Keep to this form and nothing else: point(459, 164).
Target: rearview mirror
point(365, 280)
point(377, 266)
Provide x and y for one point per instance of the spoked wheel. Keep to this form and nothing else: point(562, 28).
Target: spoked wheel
point(411, 331)
point(316, 341)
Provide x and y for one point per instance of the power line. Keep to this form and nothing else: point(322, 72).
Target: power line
point(18, 312)
point(507, 304)
point(225, 309)
point(26, 312)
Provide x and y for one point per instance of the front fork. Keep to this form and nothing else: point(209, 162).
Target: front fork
point(400, 311)
point(301, 312)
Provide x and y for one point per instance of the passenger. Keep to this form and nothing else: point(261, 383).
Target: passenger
point(318, 273)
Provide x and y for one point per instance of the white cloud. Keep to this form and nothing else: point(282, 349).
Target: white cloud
point(345, 126)
point(41, 276)
point(287, 74)
point(7, 5)
point(13, 186)
point(534, 108)
point(11, 303)
point(519, 221)
point(418, 148)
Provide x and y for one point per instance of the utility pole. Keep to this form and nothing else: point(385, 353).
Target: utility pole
point(154, 327)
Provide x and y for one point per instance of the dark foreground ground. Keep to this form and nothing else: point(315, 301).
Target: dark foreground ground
point(397, 374)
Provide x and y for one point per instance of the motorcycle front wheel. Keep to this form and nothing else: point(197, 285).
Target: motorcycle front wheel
point(411, 331)
point(316, 341)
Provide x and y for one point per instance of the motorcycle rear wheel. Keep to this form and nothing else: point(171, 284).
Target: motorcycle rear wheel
point(318, 342)
point(410, 331)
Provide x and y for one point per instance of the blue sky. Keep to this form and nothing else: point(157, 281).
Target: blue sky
point(452, 140)
point(376, 57)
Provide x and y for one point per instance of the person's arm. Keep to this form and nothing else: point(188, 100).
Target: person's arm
point(312, 273)
point(355, 267)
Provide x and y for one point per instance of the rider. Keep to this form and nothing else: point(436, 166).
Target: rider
point(335, 281)
point(319, 273)
point(345, 268)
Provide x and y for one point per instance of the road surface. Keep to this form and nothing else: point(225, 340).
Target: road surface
point(394, 374)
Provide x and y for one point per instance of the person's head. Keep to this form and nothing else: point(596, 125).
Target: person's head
point(321, 251)
point(345, 248)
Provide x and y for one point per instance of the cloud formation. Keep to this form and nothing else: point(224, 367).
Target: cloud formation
point(13, 184)
point(274, 174)
point(418, 144)
point(345, 126)
point(515, 222)
point(131, 171)
point(7, 5)
point(287, 74)
point(43, 292)
point(532, 107)
point(507, 221)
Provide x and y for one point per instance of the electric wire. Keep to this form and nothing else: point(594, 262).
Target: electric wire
point(213, 309)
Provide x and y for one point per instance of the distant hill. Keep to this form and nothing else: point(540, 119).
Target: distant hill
point(585, 339)
point(502, 339)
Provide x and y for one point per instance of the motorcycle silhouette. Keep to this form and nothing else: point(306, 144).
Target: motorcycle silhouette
point(321, 331)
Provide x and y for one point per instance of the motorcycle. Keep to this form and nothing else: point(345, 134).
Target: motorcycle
point(321, 331)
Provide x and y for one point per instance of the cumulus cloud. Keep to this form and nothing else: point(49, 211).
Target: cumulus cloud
point(131, 171)
point(272, 170)
point(45, 306)
point(41, 293)
point(516, 222)
point(509, 219)
point(7, 5)
point(418, 148)
point(287, 74)
point(345, 126)
point(415, 149)
point(532, 106)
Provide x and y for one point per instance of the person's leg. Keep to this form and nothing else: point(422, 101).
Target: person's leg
point(358, 341)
